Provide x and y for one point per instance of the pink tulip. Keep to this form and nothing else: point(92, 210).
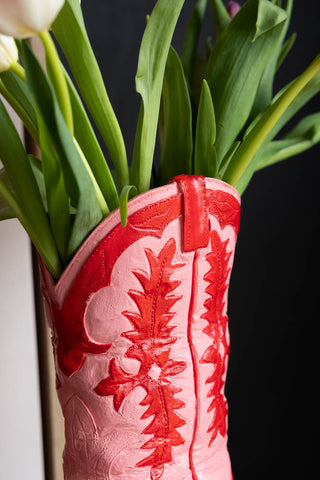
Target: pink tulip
point(233, 8)
point(24, 18)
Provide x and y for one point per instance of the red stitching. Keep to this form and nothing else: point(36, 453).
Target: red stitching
point(194, 361)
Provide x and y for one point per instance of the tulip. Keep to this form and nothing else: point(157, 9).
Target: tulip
point(25, 18)
point(8, 53)
point(233, 8)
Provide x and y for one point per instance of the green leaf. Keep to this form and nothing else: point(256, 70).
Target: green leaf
point(265, 90)
point(78, 181)
point(6, 211)
point(311, 89)
point(89, 144)
point(78, 51)
point(11, 206)
point(205, 157)
point(151, 66)
point(137, 145)
point(227, 158)
point(221, 17)
point(304, 96)
point(302, 137)
point(26, 203)
point(247, 157)
point(18, 96)
point(198, 74)
point(57, 198)
point(285, 49)
point(269, 16)
point(57, 78)
point(236, 66)
point(191, 38)
point(308, 128)
point(20, 91)
point(36, 166)
point(126, 193)
point(177, 143)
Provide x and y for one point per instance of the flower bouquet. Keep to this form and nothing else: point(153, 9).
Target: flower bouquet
point(141, 363)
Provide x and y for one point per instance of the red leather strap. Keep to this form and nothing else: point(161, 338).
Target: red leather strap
point(196, 228)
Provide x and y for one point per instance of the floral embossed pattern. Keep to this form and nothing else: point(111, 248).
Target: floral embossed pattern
point(85, 455)
point(151, 340)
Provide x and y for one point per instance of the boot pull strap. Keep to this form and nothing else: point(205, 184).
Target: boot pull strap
point(196, 227)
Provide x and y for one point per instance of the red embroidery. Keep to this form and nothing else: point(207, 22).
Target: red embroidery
point(194, 360)
point(69, 338)
point(225, 207)
point(217, 353)
point(152, 340)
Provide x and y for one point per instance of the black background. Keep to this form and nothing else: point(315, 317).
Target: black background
point(272, 384)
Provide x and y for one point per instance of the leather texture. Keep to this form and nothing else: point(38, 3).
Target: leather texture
point(140, 337)
point(196, 226)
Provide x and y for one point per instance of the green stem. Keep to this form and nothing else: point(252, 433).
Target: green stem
point(76, 47)
point(19, 111)
point(18, 70)
point(255, 138)
point(58, 79)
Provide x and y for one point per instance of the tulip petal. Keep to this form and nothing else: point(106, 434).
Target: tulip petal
point(8, 52)
point(24, 18)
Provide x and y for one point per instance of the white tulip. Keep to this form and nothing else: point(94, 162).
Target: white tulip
point(24, 18)
point(8, 52)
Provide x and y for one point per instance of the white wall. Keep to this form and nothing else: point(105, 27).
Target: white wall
point(20, 420)
point(20, 432)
